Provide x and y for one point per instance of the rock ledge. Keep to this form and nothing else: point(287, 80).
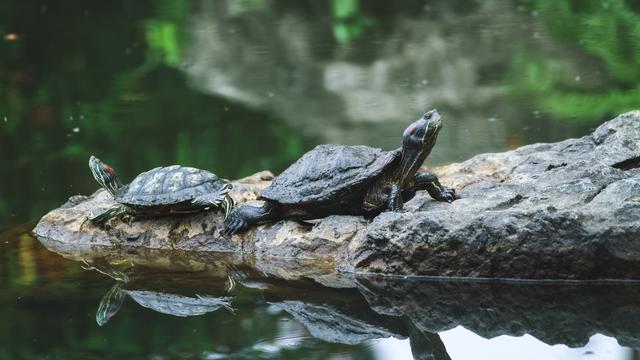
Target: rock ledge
point(568, 210)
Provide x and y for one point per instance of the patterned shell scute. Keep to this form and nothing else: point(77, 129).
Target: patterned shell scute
point(168, 185)
point(178, 305)
point(327, 172)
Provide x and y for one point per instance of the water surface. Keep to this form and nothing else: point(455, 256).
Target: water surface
point(168, 305)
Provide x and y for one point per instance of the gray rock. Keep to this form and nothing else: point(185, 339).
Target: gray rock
point(569, 210)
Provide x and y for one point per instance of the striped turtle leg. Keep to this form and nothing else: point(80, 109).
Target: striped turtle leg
point(228, 205)
point(108, 214)
point(219, 199)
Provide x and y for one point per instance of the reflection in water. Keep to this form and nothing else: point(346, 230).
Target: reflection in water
point(160, 301)
point(110, 304)
point(331, 315)
point(284, 309)
point(465, 345)
point(430, 314)
point(178, 305)
point(170, 304)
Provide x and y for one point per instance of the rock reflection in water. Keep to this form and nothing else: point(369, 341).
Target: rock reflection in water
point(355, 310)
point(558, 313)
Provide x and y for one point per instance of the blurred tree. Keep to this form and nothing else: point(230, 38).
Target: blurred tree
point(609, 32)
point(349, 21)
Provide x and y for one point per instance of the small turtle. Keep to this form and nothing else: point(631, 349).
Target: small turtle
point(110, 304)
point(163, 302)
point(179, 305)
point(161, 191)
point(350, 180)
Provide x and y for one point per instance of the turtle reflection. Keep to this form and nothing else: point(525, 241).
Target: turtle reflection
point(110, 304)
point(166, 303)
point(161, 301)
point(179, 305)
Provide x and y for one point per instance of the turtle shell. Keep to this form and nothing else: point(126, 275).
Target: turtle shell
point(178, 305)
point(169, 185)
point(328, 172)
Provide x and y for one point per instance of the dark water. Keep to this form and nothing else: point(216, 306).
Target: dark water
point(135, 304)
point(240, 86)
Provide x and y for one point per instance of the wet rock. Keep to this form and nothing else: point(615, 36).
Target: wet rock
point(569, 210)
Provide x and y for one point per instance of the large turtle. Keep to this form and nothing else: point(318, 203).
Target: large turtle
point(355, 180)
point(161, 191)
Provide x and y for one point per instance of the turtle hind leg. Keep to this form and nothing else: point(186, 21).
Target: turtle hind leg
point(101, 218)
point(246, 215)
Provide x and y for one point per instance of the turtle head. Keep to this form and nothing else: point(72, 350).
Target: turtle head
point(424, 131)
point(417, 141)
point(110, 304)
point(104, 175)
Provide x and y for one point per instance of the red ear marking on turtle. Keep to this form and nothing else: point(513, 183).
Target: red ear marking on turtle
point(104, 166)
point(412, 128)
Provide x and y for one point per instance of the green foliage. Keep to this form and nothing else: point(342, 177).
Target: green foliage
point(609, 32)
point(349, 23)
point(343, 9)
point(116, 94)
point(162, 39)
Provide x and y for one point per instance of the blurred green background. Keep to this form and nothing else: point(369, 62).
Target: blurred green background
point(240, 86)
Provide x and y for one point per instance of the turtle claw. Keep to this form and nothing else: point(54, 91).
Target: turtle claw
point(234, 224)
point(448, 194)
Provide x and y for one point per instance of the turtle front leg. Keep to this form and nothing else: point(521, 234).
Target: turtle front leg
point(394, 197)
point(101, 218)
point(246, 215)
point(429, 181)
